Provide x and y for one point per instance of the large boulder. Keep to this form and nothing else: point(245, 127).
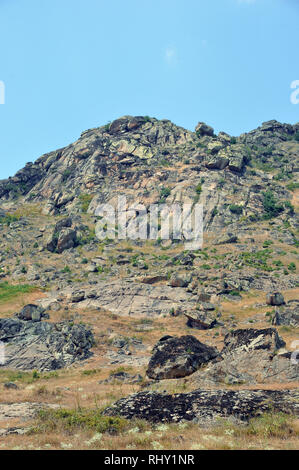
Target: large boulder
point(218, 162)
point(32, 312)
point(205, 406)
point(227, 238)
point(275, 299)
point(67, 239)
point(287, 315)
point(202, 320)
point(249, 368)
point(252, 339)
point(203, 129)
point(30, 345)
point(63, 237)
point(175, 357)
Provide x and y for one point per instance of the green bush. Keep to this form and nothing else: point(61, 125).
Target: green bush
point(292, 267)
point(292, 186)
point(198, 189)
point(85, 200)
point(296, 136)
point(9, 219)
point(235, 209)
point(72, 420)
point(271, 207)
point(165, 192)
point(288, 205)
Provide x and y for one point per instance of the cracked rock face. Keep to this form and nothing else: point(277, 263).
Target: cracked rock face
point(204, 407)
point(43, 346)
point(178, 357)
point(252, 339)
point(288, 315)
point(250, 356)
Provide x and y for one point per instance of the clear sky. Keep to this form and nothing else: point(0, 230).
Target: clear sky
point(70, 65)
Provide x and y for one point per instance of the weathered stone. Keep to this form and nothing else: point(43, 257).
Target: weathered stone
point(67, 239)
point(205, 407)
point(275, 299)
point(227, 238)
point(179, 281)
point(32, 312)
point(203, 129)
point(252, 339)
point(287, 315)
point(178, 357)
point(43, 346)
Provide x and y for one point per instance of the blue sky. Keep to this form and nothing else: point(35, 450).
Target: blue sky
point(69, 65)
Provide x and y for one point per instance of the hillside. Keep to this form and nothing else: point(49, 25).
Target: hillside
point(99, 307)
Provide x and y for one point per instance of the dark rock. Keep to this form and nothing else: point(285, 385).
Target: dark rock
point(252, 339)
point(201, 320)
point(203, 129)
point(42, 346)
point(227, 238)
point(288, 315)
point(275, 299)
point(11, 386)
point(123, 377)
point(32, 312)
point(175, 357)
point(63, 223)
point(205, 407)
point(67, 239)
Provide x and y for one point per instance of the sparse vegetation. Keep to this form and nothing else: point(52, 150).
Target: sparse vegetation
point(9, 291)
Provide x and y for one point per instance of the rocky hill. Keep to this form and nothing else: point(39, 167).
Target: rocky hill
point(170, 319)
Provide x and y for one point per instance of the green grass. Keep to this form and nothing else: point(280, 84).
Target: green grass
point(76, 419)
point(271, 425)
point(8, 291)
point(9, 219)
point(85, 200)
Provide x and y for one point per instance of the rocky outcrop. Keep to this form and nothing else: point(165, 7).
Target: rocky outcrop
point(31, 345)
point(287, 315)
point(123, 297)
point(252, 339)
point(250, 357)
point(178, 357)
point(205, 407)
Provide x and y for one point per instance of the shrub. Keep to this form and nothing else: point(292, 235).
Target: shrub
point(288, 205)
point(292, 267)
point(165, 192)
point(235, 209)
point(72, 420)
point(66, 270)
point(292, 186)
point(271, 207)
point(198, 189)
point(270, 425)
point(8, 219)
point(296, 136)
point(85, 200)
